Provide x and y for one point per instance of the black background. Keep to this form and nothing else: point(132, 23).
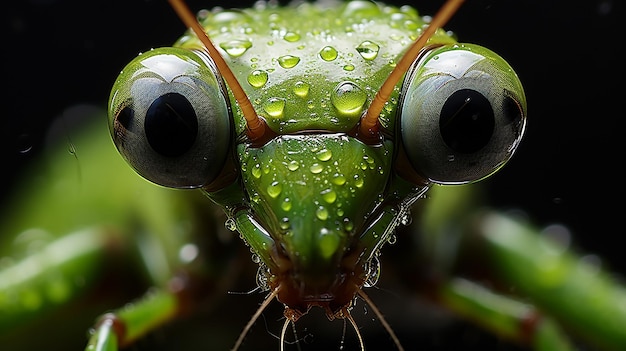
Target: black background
point(569, 169)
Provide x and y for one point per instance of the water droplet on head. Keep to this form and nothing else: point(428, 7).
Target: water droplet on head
point(274, 189)
point(236, 47)
point(286, 204)
point(293, 165)
point(368, 50)
point(258, 78)
point(288, 61)
point(230, 224)
point(329, 196)
point(316, 168)
point(324, 155)
point(291, 37)
point(301, 89)
point(348, 98)
point(274, 107)
point(321, 213)
point(328, 53)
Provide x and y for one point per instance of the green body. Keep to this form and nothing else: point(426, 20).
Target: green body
point(315, 204)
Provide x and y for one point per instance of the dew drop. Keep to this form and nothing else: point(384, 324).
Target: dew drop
point(373, 272)
point(316, 168)
point(358, 181)
point(236, 47)
point(301, 89)
point(288, 61)
point(293, 165)
point(284, 223)
point(274, 189)
point(368, 50)
point(230, 224)
point(257, 78)
point(348, 98)
point(324, 155)
point(286, 204)
point(256, 258)
point(347, 224)
point(348, 68)
point(338, 179)
point(328, 53)
point(256, 171)
point(329, 196)
point(291, 37)
point(321, 213)
point(274, 107)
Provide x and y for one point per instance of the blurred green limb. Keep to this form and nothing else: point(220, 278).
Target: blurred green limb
point(539, 293)
point(588, 302)
point(128, 324)
point(52, 277)
point(507, 317)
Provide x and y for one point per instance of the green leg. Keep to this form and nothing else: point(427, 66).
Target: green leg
point(504, 316)
point(126, 325)
point(51, 278)
point(587, 301)
point(565, 291)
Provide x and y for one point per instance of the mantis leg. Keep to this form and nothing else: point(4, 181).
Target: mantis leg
point(560, 289)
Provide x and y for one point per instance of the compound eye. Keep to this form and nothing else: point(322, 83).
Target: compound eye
point(462, 115)
point(170, 119)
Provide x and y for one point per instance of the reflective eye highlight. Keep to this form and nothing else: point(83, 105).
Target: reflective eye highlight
point(170, 118)
point(462, 114)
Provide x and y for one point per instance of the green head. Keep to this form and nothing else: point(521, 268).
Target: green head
point(315, 200)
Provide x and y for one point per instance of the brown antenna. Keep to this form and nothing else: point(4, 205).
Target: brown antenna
point(369, 126)
point(255, 126)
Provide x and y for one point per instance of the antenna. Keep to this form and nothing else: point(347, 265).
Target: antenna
point(370, 125)
point(256, 126)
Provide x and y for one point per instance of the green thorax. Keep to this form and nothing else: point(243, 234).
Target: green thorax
point(312, 66)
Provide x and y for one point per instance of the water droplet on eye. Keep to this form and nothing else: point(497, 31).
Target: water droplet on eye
point(324, 155)
point(348, 98)
point(286, 204)
point(368, 50)
point(288, 61)
point(348, 68)
point(329, 196)
point(316, 168)
point(230, 225)
point(274, 189)
point(274, 107)
point(293, 165)
point(291, 37)
point(328, 53)
point(301, 89)
point(257, 78)
point(321, 213)
point(236, 47)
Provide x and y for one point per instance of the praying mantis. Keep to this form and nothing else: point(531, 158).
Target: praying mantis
point(78, 153)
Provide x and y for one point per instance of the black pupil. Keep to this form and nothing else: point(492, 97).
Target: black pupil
point(467, 121)
point(171, 125)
